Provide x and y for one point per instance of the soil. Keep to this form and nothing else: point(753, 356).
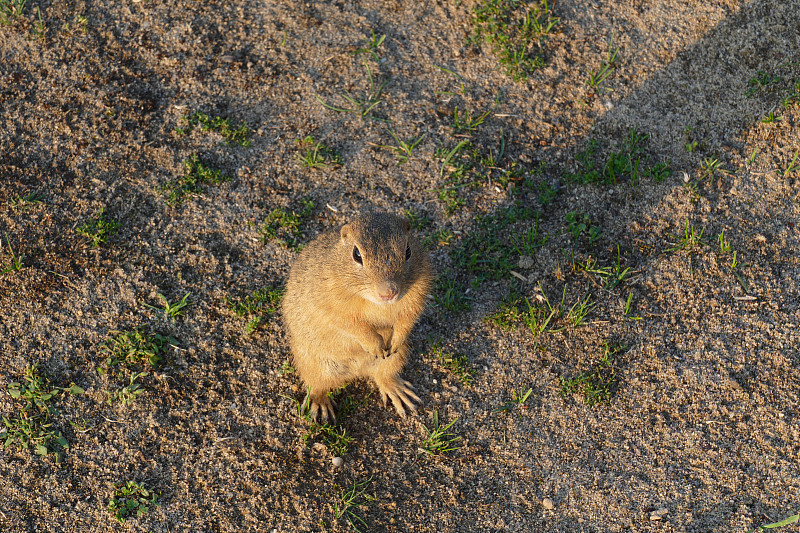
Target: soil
point(701, 432)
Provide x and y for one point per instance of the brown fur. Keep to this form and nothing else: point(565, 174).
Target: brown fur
point(337, 329)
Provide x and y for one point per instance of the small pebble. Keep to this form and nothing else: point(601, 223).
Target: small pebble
point(547, 503)
point(658, 515)
point(337, 462)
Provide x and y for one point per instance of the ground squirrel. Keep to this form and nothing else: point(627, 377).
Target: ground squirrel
point(352, 298)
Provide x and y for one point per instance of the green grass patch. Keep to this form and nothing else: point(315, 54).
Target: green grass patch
point(332, 434)
point(598, 384)
point(371, 46)
point(527, 242)
point(315, 154)
point(793, 166)
point(450, 199)
point(21, 203)
point(15, 263)
point(760, 81)
point(692, 242)
point(545, 193)
point(455, 169)
point(257, 307)
point(785, 87)
point(508, 314)
point(785, 522)
point(627, 309)
point(466, 122)
point(517, 31)
point(610, 276)
point(286, 368)
point(131, 500)
point(465, 167)
point(486, 252)
point(196, 177)
point(128, 393)
point(11, 10)
point(172, 310)
point(33, 428)
point(709, 167)
point(364, 105)
point(449, 294)
point(518, 399)
point(454, 160)
point(541, 316)
point(232, 134)
point(580, 224)
point(128, 357)
point(628, 162)
point(457, 364)
point(134, 347)
point(598, 78)
point(439, 441)
point(418, 222)
point(403, 149)
point(792, 96)
point(98, 228)
point(284, 226)
point(351, 500)
point(439, 237)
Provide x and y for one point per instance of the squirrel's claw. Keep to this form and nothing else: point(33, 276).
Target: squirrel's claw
point(322, 409)
point(402, 397)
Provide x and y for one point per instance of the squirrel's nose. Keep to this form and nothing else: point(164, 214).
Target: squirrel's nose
point(388, 291)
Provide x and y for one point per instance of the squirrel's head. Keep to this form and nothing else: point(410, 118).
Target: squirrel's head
point(382, 256)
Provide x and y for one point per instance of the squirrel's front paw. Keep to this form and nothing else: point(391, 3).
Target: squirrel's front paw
point(392, 350)
point(401, 394)
point(377, 348)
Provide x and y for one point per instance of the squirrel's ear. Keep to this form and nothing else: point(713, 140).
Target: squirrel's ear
point(344, 233)
point(406, 225)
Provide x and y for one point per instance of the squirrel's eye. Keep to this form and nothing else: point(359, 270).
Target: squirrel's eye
point(408, 253)
point(357, 256)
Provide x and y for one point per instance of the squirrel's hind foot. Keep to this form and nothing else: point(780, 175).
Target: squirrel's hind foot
point(321, 408)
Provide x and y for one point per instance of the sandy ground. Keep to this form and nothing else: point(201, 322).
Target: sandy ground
point(702, 431)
